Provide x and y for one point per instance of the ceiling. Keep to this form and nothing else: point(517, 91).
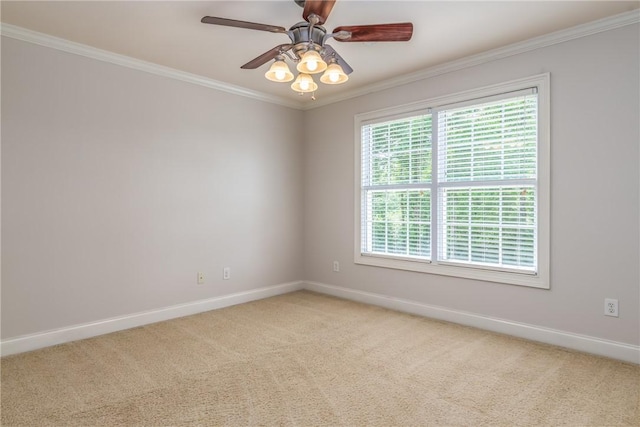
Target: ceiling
point(170, 33)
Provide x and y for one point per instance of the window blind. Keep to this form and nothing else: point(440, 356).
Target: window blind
point(396, 187)
point(491, 141)
point(487, 157)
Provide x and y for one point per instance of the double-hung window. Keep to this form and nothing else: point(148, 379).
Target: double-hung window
point(458, 185)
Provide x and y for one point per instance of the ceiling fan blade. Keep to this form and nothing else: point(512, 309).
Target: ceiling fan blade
point(330, 52)
point(266, 57)
point(321, 8)
point(400, 32)
point(242, 24)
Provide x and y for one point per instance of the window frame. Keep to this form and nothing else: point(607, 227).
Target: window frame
point(539, 279)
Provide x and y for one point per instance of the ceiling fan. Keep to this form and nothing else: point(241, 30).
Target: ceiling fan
point(308, 47)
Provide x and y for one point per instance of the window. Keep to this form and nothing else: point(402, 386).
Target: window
point(458, 185)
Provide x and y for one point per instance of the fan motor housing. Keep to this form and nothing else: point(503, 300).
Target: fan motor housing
point(302, 38)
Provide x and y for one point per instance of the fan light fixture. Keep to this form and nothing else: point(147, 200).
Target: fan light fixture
point(334, 74)
point(308, 63)
point(279, 71)
point(304, 84)
point(307, 48)
point(311, 63)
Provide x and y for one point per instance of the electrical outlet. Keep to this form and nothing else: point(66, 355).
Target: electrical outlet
point(226, 273)
point(611, 307)
point(200, 278)
point(336, 266)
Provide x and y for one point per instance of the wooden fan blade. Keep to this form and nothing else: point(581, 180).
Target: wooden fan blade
point(330, 52)
point(400, 32)
point(266, 57)
point(321, 8)
point(242, 24)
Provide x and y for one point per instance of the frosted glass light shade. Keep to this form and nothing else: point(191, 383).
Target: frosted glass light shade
point(304, 83)
point(334, 75)
point(311, 63)
point(279, 72)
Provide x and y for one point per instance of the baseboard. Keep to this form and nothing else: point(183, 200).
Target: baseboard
point(587, 344)
point(92, 329)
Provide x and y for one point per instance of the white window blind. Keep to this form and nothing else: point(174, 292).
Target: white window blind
point(396, 191)
point(490, 141)
point(487, 170)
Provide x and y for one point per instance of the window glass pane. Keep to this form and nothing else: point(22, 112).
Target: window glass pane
point(397, 152)
point(491, 141)
point(400, 222)
point(489, 225)
point(397, 221)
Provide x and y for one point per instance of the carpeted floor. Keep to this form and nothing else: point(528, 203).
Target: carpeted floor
point(307, 359)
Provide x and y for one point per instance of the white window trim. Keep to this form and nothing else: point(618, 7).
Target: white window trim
point(538, 280)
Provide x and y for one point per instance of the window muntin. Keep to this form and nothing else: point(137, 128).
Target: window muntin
point(462, 196)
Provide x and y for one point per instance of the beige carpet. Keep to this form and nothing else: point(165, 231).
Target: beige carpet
point(309, 360)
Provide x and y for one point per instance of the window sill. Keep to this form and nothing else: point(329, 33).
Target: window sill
point(476, 273)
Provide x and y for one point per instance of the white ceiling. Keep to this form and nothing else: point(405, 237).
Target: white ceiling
point(170, 33)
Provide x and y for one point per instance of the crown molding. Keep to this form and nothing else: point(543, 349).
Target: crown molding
point(601, 25)
point(46, 40)
point(557, 37)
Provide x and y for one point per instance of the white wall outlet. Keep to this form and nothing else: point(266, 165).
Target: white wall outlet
point(336, 266)
point(611, 307)
point(200, 278)
point(226, 273)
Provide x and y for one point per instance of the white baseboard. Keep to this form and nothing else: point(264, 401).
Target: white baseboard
point(92, 329)
point(587, 344)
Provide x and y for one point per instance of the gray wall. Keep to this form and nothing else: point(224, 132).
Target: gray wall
point(118, 186)
point(594, 192)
